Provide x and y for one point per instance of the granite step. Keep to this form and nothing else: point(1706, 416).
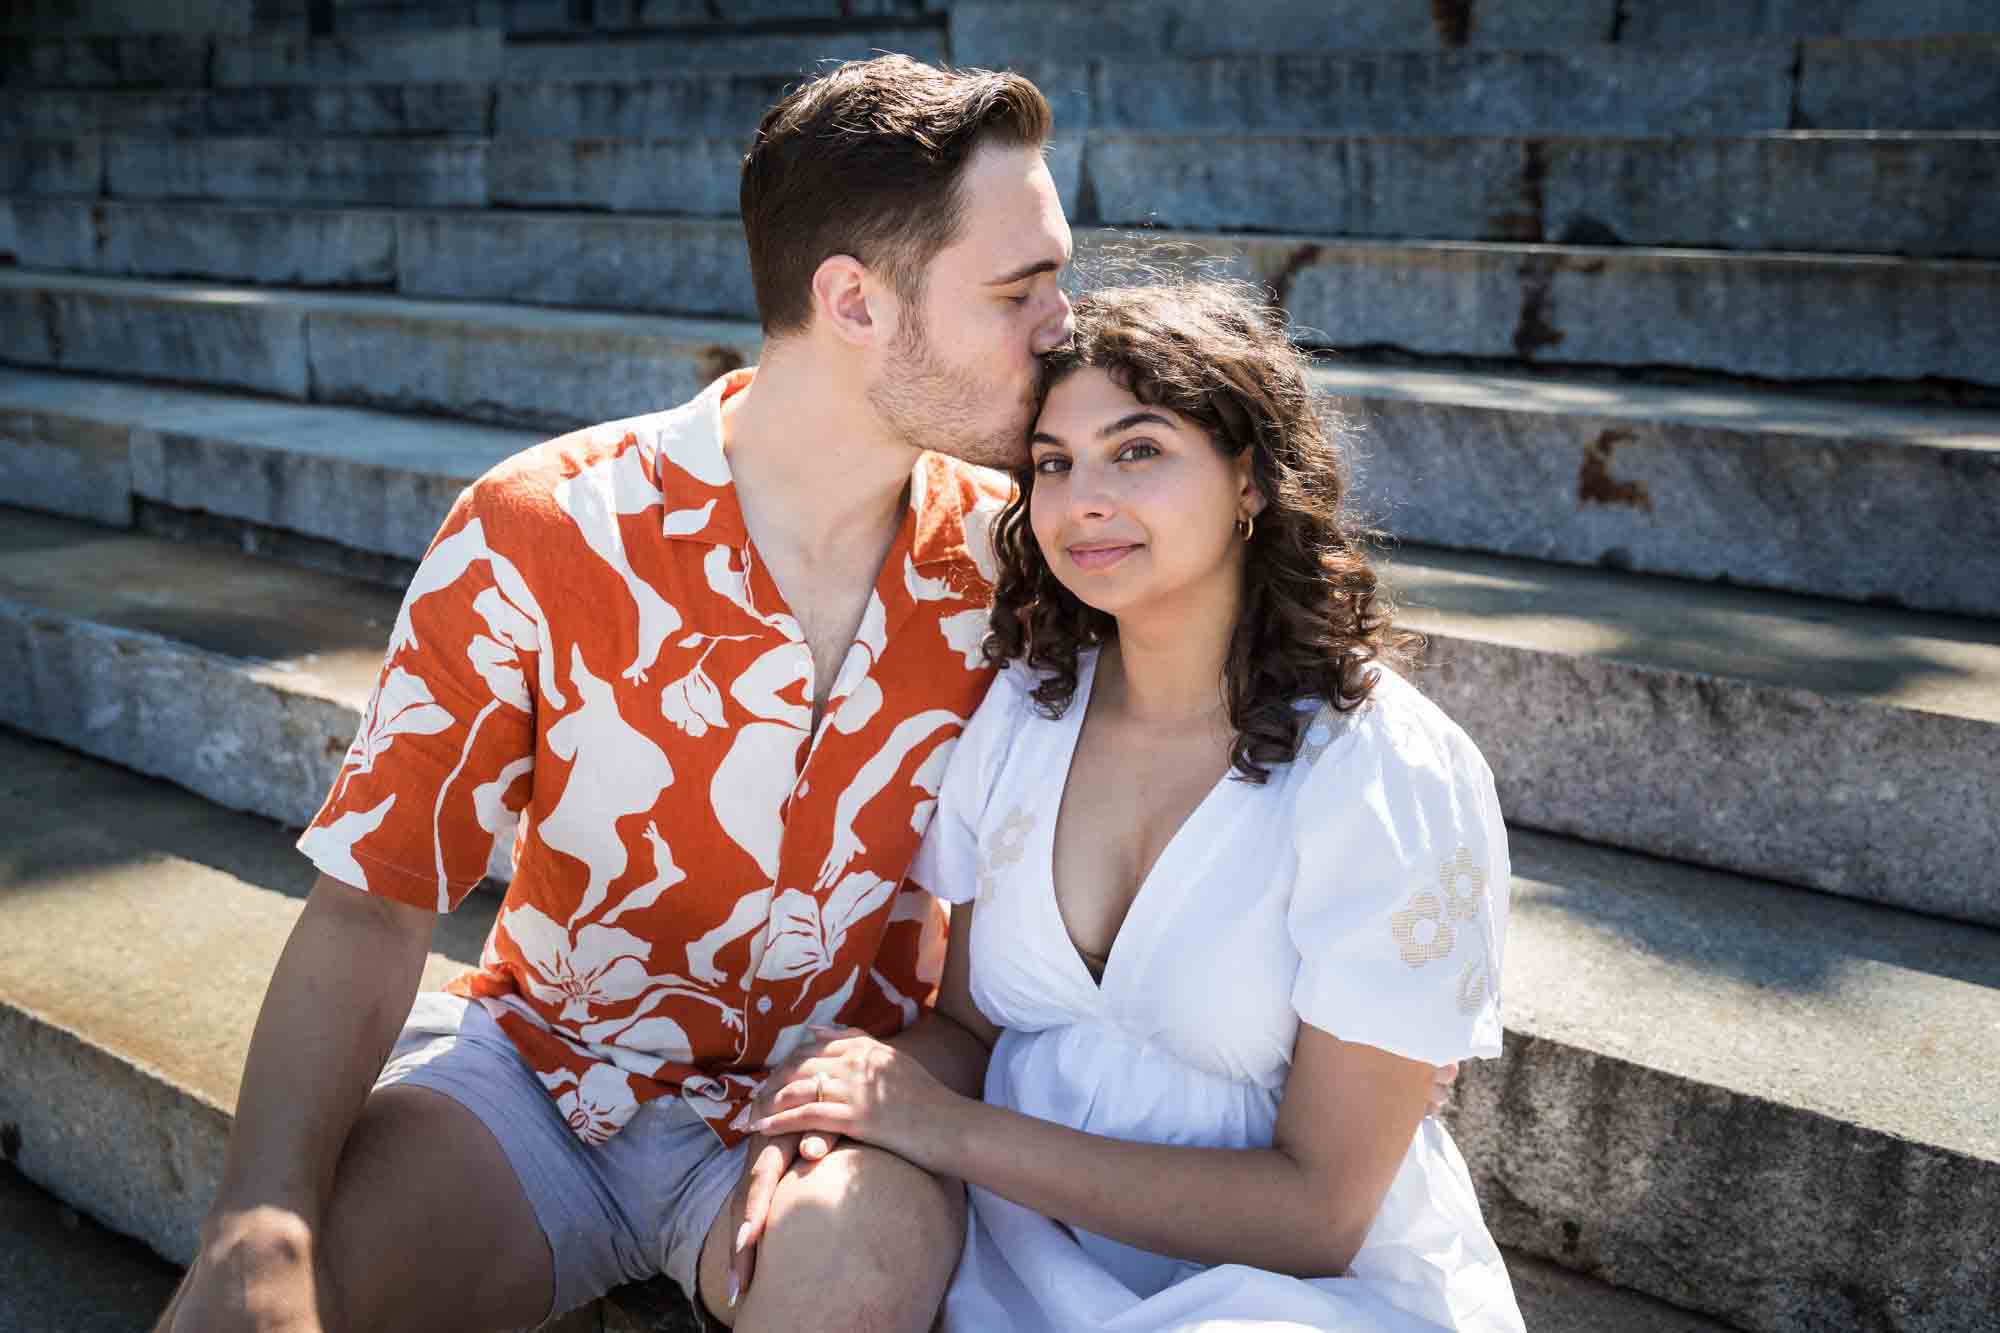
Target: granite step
point(1866, 502)
point(1847, 749)
point(1766, 315)
point(1674, 1035)
point(59, 1270)
point(1830, 319)
point(644, 88)
point(111, 18)
point(181, 60)
point(508, 365)
point(1603, 190)
point(161, 865)
point(986, 31)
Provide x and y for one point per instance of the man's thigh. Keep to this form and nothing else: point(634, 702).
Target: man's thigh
point(858, 1240)
point(428, 1227)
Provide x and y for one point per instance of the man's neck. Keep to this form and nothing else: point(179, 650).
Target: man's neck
point(813, 467)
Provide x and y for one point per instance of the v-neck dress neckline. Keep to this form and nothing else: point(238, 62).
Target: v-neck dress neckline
point(1086, 689)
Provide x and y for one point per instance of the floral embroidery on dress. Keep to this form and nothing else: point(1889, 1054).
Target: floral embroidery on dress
point(1472, 986)
point(1462, 868)
point(1006, 847)
point(1421, 931)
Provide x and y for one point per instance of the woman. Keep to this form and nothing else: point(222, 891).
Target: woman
point(1236, 887)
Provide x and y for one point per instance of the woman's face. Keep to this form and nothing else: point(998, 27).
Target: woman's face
point(1134, 507)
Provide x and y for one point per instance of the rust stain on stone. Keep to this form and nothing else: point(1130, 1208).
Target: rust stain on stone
point(1534, 330)
point(1596, 486)
point(1453, 21)
point(1529, 222)
point(1300, 259)
point(717, 360)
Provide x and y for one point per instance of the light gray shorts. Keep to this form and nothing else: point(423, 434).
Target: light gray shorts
point(632, 1208)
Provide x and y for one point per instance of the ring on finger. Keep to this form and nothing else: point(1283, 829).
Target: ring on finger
point(819, 1087)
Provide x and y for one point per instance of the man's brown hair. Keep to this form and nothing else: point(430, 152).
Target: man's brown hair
point(865, 160)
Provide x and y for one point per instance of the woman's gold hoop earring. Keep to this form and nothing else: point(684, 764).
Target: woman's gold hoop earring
point(1247, 525)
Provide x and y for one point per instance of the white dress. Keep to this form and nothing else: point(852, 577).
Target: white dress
point(1363, 889)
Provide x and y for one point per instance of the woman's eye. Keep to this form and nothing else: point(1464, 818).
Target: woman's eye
point(1138, 449)
point(1022, 299)
point(1053, 463)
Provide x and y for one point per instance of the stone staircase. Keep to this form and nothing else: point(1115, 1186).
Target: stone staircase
point(1671, 335)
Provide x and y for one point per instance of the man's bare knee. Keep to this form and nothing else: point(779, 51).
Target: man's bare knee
point(861, 1239)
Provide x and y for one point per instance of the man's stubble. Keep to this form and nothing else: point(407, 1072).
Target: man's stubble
point(931, 404)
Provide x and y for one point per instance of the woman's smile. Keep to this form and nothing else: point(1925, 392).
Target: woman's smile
point(1092, 556)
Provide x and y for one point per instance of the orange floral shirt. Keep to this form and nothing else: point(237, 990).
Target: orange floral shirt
point(593, 654)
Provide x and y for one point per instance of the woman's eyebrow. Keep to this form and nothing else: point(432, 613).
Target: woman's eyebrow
point(1132, 419)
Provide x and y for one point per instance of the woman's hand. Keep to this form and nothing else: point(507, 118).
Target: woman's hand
point(866, 1090)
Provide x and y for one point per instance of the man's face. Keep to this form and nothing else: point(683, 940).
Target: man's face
point(960, 375)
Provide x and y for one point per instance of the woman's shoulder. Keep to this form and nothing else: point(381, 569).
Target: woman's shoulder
point(1397, 736)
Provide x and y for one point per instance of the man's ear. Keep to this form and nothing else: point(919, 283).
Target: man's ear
point(840, 288)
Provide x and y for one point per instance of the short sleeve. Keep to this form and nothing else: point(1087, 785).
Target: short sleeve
point(948, 862)
point(442, 761)
point(1399, 909)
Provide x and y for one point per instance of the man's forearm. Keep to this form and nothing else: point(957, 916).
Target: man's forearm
point(336, 1000)
point(952, 1054)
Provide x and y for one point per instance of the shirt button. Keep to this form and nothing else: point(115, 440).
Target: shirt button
point(805, 788)
point(763, 1004)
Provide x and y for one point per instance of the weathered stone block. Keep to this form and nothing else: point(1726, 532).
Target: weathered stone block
point(367, 481)
point(457, 55)
point(408, 173)
point(58, 113)
point(1593, 89)
point(726, 103)
point(690, 174)
point(305, 110)
point(226, 337)
point(163, 60)
point(1689, 22)
point(1943, 83)
point(92, 18)
point(1864, 194)
point(77, 467)
point(1759, 314)
point(52, 166)
point(279, 247)
point(1863, 502)
point(548, 369)
point(659, 265)
point(1715, 740)
point(1002, 32)
point(1395, 185)
point(650, 57)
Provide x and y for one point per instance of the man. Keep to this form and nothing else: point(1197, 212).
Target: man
point(714, 658)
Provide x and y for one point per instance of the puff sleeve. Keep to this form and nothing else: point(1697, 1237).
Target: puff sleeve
point(1399, 909)
point(948, 863)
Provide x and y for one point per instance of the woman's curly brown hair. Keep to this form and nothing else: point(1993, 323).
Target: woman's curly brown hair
point(1312, 619)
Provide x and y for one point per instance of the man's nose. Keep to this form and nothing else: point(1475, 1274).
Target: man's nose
point(1056, 330)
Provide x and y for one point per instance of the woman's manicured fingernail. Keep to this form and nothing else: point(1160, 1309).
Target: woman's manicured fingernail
point(735, 1290)
point(742, 1237)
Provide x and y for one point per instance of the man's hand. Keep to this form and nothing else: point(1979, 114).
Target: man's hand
point(254, 1272)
